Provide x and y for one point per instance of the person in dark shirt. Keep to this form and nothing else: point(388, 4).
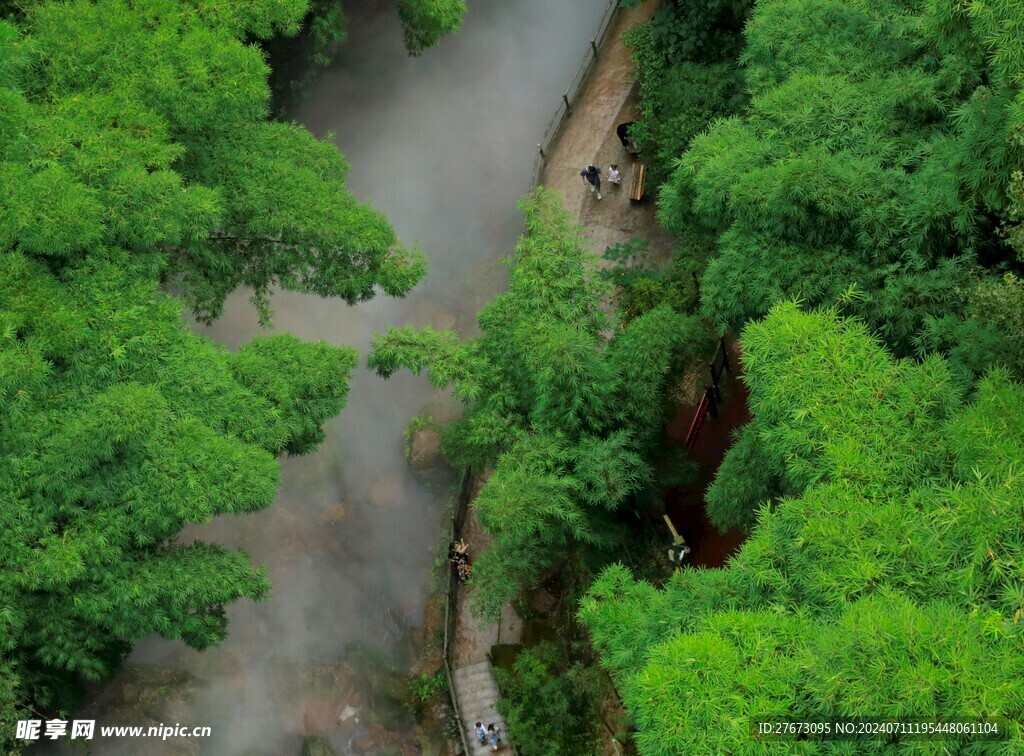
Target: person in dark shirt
point(592, 175)
point(494, 736)
point(622, 132)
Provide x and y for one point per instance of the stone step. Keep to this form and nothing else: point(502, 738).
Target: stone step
point(478, 690)
point(476, 683)
point(478, 696)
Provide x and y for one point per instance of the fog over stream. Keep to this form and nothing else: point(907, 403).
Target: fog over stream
point(443, 144)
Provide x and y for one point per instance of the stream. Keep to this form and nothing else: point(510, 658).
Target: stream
point(443, 144)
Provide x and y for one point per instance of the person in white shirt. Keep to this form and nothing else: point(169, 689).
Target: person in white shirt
point(614, 177)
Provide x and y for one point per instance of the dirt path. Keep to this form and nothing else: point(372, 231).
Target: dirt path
point(473, 637)
point(608, 98)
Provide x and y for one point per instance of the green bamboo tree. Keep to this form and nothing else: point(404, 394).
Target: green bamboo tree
point(135, 152)
point(120, 428)
point(142, 129)
point(564, 418)
point(887, 584)
point(878, 149)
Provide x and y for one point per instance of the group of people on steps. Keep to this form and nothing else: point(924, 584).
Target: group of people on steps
point(491, 735)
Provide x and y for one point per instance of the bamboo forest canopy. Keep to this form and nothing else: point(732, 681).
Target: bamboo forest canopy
point(566, 418)
point(135, 152)
point(866, 158)
point(119, 428)
point(889, 585)
point(138, 131)
point(877, 163)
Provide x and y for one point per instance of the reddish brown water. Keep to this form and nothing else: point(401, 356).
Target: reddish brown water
point(685, 504)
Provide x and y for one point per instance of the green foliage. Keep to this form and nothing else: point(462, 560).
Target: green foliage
point(135, 153)
point(1015, 211)
point(649, 351)
point(639, 288)
point(550, 705)
point(424, 22)
point(566, 418)
point(147, 126)
point(297, 59)
point(692, 30)
point(120, 428)
point(888, 656)
point(299, 380)
point(746, 480)
point(423, 687)
point(890, 582)
point(415, 425)
point(680, 102)
point(685, 61)
point(1001, 303)
point(991, 333)
point(877, 150)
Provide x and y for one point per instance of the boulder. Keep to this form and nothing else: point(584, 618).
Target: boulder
point(425, 457)
point(388, 491)
point(312, 746)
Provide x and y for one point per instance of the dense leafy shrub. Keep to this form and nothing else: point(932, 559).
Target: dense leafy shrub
point(567, 419)
point(877, 151)
point(889, 584)
point(685, 59)
point(746, 481)
point(691, 30)
point(685, 62)
point(640, 288)
point(550, 704)
point(680, 102)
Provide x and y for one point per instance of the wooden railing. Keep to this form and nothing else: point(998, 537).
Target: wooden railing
point(565, 105)
point(703, 407)
point(712, 396)
point(454, 532)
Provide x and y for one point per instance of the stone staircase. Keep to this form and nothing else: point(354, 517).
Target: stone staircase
point(477, 696)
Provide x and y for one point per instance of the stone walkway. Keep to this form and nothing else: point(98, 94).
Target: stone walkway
point(607, 99)
point(474, 685)
point(588, 136)
point(478, 698)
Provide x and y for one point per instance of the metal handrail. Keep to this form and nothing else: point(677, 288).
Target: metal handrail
point(564, 107)
point(454, 528)
point(698, 419)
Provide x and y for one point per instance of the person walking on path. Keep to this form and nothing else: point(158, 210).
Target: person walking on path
point(494, 736)
point(592, 175)
point(614, 177)
point(481, 733)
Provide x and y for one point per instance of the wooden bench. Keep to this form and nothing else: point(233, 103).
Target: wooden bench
point(636, 185)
